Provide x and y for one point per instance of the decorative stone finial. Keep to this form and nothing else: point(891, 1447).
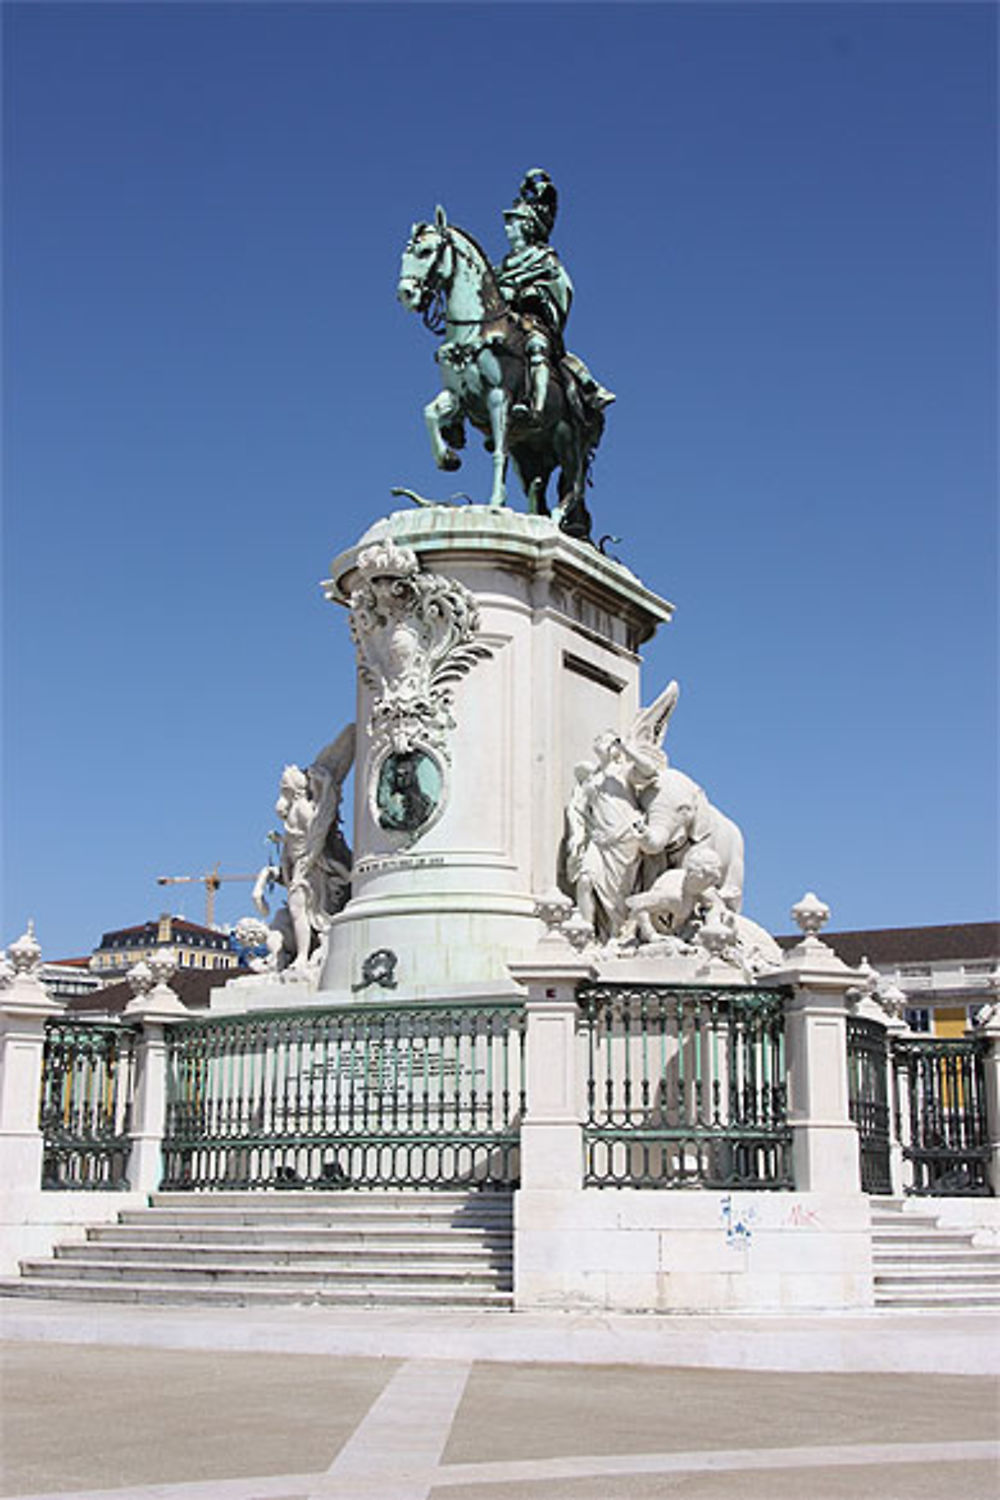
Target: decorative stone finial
point(140, 979)
point(149, 979)
point(810, 915)
point(162, 966)
point(25, 955)
point(20, 983)
point(891, 998)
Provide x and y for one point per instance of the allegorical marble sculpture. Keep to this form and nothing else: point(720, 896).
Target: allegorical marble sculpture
point(314, 863)
point(649, 859)
point(504, 366)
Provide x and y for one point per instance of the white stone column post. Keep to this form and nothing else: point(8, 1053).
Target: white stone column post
point(24, 1009)
point(825, 1151)
point(989, 1027)
point(551, 1132)
point(156, 1006)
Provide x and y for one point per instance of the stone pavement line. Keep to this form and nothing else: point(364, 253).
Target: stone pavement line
point(264, 1487)
point(378, 1483)
point(613, 1466)
point(394, 1453)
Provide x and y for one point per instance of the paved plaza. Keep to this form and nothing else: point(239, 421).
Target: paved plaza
point(287, 1404)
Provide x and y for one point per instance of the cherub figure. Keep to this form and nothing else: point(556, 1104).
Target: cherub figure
point(675, 898)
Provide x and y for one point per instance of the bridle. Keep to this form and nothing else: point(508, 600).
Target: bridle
point(433, 300)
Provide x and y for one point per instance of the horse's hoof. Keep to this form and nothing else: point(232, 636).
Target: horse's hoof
point(450, 462)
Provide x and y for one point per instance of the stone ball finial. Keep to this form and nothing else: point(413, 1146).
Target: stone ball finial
point(25, 955)
point(810, 914)
point(140, 978)
point(892, 998)
point(162, 964)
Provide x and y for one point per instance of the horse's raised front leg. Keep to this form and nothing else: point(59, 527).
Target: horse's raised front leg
point(442, 412)
point(498, 404)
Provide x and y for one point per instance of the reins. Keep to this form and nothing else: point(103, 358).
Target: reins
point(434, 303)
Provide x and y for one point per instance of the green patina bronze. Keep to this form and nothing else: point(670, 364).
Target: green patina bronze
point(504, 366)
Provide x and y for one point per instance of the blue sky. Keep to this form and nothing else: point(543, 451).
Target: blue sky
point(781, 224)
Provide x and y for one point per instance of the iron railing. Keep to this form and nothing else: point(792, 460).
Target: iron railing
point(940, 1110)
point(413, 1095)
point(685, 1087)
point(868, 1100)
point(88, 1077)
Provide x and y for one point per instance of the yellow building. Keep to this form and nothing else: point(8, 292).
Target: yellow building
point(196, 947)
point(944, 972)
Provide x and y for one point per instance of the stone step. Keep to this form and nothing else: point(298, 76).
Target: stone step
point(944, 1276)
point(966, 1256)
point(266, 1256)
point(951, 1297)
point(280, 1200)
point(398, 1236)
point(349, 1215)
point(920, 1265)
point(236, 1248)
point(895, 1232)
point(210, 1272)
point(258, 1294)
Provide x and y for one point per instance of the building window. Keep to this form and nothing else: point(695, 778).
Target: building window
point(918, 1018)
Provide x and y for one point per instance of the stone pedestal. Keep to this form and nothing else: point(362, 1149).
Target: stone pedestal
point(824, 1138)
point(562, 625)
point(551, 1135)
point(991, 1029)
point(24, 1010)
point(156, 1009)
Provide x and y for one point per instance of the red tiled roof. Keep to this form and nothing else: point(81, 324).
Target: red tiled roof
point(192, 986)
point(963, 941)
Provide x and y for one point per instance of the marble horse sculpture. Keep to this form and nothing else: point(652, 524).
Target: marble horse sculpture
point(631, 818)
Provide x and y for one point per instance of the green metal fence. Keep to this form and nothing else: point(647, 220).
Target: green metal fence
point(417, 1095)
point(685, 1087)
point(941, 1114)
point(88, 1077)
point(868, 1100)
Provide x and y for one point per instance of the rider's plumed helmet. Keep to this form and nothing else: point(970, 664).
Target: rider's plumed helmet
point(536, 205)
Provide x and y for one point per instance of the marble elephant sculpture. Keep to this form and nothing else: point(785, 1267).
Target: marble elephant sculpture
point(679, 818)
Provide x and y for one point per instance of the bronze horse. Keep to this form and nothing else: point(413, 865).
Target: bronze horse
point(447, 277)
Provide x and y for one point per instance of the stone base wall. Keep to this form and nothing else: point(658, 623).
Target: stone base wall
point(33, 1223)
point(706, 1252)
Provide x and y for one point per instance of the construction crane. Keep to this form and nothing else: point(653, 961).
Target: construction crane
point(211, 881)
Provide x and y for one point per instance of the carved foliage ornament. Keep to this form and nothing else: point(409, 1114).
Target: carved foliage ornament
point(415, 634)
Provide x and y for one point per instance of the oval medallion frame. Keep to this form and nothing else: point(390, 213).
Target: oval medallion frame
point(407, 793)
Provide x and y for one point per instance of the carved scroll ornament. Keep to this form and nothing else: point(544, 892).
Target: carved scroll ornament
point(415, 634)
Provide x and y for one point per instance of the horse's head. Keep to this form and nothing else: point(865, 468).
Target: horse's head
point(428, 263)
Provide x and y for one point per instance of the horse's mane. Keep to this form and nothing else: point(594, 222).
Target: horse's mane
point(487, 264)
point(455, 229)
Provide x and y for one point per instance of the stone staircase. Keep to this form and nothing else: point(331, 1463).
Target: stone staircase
point(451, 1249)
point(921, 1264)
